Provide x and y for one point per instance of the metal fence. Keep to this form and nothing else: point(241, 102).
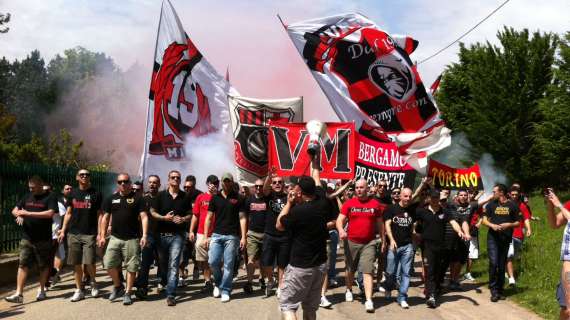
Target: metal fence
point(14, 185)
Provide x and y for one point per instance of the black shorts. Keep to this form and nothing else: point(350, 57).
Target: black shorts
point(275, 248)
point(460, 252)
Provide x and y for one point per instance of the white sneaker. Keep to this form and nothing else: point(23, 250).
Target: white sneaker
point(381, 288)
point(77, 295)
point(468, 277)
point(41, 295)
point(94, 290)
point(512, 281)
point(216, 292)
point(325, 303)
point(404, 304)
point(225, 297)
point(369, 306)
point(348, 296)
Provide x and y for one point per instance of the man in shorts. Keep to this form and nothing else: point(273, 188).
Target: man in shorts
point(256, 207)
point(81, 223)
point(125, 207)
point(364, 216)
point(34, 213)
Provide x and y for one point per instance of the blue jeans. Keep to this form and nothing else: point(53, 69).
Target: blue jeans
point(497, 250)
point(169, 253)
point(333, 245)
point(147, 258)
point(223, 248)
point(400, 262)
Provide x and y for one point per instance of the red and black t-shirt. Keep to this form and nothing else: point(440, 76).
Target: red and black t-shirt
point(362, 218)
point(85, 206)
point(256, 209)
point(37, 229)
point(200, 211)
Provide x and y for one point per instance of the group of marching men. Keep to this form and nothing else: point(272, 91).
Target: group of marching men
point(293, 226)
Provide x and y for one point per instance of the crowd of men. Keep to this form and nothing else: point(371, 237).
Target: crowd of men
point(288, 229)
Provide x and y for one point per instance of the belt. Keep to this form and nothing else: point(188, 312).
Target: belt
point(168, 234)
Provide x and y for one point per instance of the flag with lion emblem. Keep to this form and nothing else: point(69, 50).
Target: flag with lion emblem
point(187, 100)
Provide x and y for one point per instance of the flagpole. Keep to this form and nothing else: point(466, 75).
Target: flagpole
point(281, 20)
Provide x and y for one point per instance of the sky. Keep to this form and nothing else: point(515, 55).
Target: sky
point(247, 37)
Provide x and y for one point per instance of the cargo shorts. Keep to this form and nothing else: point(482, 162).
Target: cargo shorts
point(123, 251)
point(39, 253)
point(82, 249)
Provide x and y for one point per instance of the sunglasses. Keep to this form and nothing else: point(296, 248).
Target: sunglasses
point(175, 177)
point(277, 182)
point(84, 174)
point(123, 182)
point(187, 187)
point(396, 192)
point(257, 186)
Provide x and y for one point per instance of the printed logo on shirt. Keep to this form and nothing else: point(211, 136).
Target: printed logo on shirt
point(130, 200)
point(403, 221)
point(116, 201)
point(258, 206)
point(32, 204)
point(85, 204)
point(276, 205)
point(362, 210)
point(502, 211)
point(441, 216)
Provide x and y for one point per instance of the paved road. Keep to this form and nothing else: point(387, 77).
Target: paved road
point(472, 303)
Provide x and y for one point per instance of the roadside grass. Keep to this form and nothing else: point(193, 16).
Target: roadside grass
point(538, 271)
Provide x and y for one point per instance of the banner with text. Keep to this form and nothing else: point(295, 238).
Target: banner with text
point(379, 160)
point(455, 178)
point(287, 144)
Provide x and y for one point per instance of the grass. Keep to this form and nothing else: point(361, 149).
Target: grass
point(539, 267)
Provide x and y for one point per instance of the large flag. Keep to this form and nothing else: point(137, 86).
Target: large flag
point(188, 99)
point(288, 155)
point(368, 76)
point(455, 178)
point(249, 118)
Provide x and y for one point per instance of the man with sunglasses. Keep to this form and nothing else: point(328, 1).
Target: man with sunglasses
point(192, 193)
point(276, 243)
point(125, 207)
point(256, 207)
point(382, 193)
point(171, 210)
point(200, 212)
point(395, 195)
point(81, 223)
point(228, 236)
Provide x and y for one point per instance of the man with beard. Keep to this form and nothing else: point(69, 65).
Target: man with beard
point(434, 218)
point(82, 220)
point(200, 212)
point(125, 207)
point(382, 193)
point(364, 216)
point(34, 213)
point(148, 251)
point(501, 217)
point(256, 207)
point(171, 211)
point(395, 195)
point(276, 243)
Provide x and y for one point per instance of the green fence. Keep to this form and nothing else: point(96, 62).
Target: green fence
point(14, 185)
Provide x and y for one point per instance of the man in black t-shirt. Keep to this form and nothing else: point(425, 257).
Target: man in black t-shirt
point(192, 193)
point(501, 216)
point(256, 207)
point(126, 208)
point(81, 223)
point(171, 210)
point(305, 216)
point(276, 244)
point(34, 213)
point(230, 232)
point(434, 219)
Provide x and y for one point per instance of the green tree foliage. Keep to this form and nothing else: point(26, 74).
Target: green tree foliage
point(492, 95)
point(553, 134)
point(4, 19)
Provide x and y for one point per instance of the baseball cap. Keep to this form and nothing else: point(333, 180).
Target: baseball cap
point(331, 185)
point(227, 175)
point(212, 179)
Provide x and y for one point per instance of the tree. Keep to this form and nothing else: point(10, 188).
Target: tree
point(492, 95)
point(552, 136)
point(4, 19)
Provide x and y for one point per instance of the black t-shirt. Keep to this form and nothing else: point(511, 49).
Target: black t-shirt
point(125, 211)
point(507, 212)
point(276, 202)
point(37, 229)
point(434, 224)
point(307, 223)
point(227, 209)
point(387, 199)
point(180, 206)
point(402, 222)
point(85, 206)
point(462, 213)
point(256, 209)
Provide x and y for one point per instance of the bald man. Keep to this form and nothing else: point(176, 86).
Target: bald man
point(364, 216)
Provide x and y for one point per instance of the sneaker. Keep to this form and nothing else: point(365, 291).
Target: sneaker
point(41, 295)
point(262, 283)
point(78, 295)
point(269, 288)
point(94, 290)
point(348, 296)
point(381, 289)
point(141, 293)
point(127, 301)
point(15, 298)
point(170, 301)
point(369, 306)
point(117, 292)
point(468, 277)
point(512, 281)
point(431, 302)
point(248, 288)
point(325, 303)
point(494, 297)
point(404, 304)
point(225, 297)
point(333, 283)
point(208, 287)
point(278, 292)
point(181, 282)
point(160, 288)
point(216, 292)
point(56, 279)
